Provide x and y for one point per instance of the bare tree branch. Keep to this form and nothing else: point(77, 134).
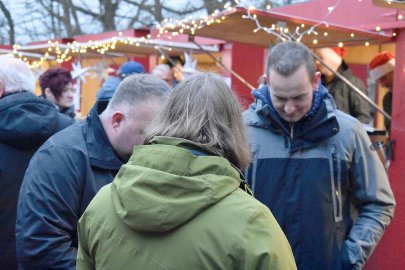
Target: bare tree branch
point(10, 22)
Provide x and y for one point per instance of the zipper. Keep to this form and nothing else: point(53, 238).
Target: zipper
point(336, 188)
point(291, 131)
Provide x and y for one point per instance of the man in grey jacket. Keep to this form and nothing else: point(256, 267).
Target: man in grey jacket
point(314, 166)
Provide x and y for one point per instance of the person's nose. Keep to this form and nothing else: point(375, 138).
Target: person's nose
point(289, 107)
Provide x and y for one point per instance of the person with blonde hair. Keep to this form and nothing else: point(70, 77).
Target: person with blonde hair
point(177, 204)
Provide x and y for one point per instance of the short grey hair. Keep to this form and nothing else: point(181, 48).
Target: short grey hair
point(161, 68)
point(285, 58)
point(135, 89)
point(203, 109)
point(16, 75)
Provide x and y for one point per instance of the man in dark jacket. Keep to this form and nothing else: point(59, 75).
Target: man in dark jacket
point(346, 99)
point(26, 122)
point(314, 168)
point(68, 170)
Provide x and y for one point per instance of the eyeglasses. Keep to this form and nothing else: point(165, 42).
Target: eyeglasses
point(69, 89)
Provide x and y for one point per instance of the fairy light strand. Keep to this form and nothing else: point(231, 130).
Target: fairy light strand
point(171, 28)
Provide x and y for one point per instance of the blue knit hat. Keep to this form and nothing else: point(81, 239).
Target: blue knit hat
point(130, 67)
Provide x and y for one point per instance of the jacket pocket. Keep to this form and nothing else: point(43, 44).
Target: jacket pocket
point(336, 186)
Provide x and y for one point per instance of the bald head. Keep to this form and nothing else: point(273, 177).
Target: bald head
point(15, 76)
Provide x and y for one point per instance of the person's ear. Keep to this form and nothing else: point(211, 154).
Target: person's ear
point(316, 81)
point(117, 120)
point(49, 94)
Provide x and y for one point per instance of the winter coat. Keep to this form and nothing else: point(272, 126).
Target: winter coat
point(170, 209)
point(62, 178)
point(347, 100)
point(312, 175)
point(69, 111)
point(108, 88)
point(26, 122)
point(387, 106)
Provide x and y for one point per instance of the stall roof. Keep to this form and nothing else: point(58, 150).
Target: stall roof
point(235, 28)
point(117, 46)
point(390, 4)
point(24, 54)
point(363, 14)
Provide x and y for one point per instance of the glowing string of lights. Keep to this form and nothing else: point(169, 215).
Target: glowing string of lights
point(65, 52)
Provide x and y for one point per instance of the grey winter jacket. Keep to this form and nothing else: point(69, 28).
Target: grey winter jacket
point(315, 179)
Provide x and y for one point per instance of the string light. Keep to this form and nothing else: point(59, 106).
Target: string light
point(65, 52)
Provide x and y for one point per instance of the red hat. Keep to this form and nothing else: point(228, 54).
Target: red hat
point(334, 54)
point(382, 64)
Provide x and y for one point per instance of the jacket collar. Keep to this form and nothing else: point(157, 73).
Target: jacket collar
point(101, 153)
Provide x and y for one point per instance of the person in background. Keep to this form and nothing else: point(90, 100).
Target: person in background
point(108, 88)
point(163, 72)
point(382, 70)
point(314, 168)
point(179, 194)
point(110, 85)
point(26, 121)
point(346, 99)
point(57, 87)
point(177, 69)
point(69, 169)
point(129, 68)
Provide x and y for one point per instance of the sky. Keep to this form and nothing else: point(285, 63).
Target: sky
point(27, 20)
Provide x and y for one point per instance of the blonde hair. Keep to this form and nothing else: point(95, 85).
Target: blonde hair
point(203, 109)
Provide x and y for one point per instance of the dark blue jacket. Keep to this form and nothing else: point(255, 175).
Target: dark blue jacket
point(61, 180)
point(315, 176)
point(26, 122)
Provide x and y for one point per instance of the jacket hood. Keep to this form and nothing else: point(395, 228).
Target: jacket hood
point(164, 185)
point(317, 125)
point(27, 121)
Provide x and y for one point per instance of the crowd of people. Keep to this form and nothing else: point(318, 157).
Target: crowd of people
point(166, 172)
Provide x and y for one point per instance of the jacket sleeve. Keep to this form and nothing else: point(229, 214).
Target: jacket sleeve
point(47, 211)
point(84, 261)
point(264, 245)
point(373, 199)
point(359, 107)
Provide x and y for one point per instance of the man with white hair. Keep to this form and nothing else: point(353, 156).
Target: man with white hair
point(69, 169)
point(164, 72)
point(26, 121)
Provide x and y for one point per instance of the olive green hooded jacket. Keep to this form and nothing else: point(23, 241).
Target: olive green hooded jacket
point(170, 209)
